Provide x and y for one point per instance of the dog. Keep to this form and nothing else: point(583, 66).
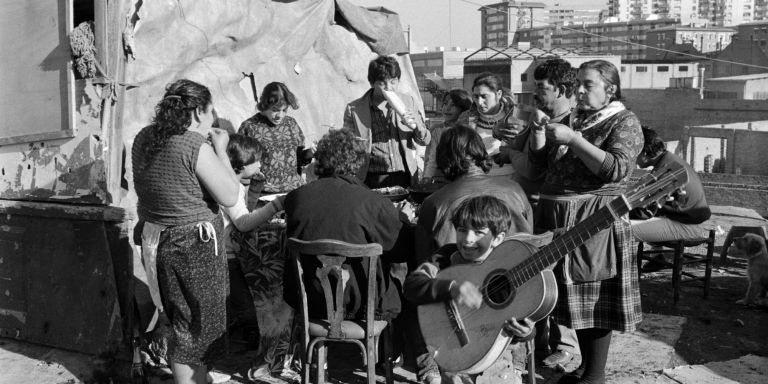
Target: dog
point(752, 247)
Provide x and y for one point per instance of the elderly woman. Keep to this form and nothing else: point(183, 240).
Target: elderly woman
point(587, 165)
point(339, 206)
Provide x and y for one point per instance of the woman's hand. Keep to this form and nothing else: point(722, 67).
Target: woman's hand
point(518, 328)
point(560, 134)
point(219, 140)
point(466, 293)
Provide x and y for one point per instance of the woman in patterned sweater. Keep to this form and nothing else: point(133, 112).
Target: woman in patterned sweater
point(180, 182)
point(280, 135)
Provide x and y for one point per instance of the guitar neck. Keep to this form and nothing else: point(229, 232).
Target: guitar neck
point(567, 242)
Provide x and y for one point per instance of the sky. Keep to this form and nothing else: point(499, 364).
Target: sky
point(451, 23)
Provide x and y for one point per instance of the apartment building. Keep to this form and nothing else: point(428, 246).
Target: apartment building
point(626, 39)
point(710, 12)
point(500, 21)
point(559, 14)
point(703, 40)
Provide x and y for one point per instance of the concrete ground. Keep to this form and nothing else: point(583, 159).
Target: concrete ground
point(659, 351)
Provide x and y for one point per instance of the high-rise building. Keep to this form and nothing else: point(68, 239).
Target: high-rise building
point(709, 12)
point(500, 21)
point(626, 38)
point(702, 39)
point(626, 10)
point(559, 14)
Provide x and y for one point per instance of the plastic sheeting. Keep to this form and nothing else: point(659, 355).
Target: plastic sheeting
point(319, 48)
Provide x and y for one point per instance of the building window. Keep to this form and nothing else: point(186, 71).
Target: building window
point(663, 68)
point(641, 68)
point(683, 68)
point(623, 69)
point(523, 77)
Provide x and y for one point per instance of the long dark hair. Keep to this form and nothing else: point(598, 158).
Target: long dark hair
point(608, 73)
point(172, 115)
point(459, 148)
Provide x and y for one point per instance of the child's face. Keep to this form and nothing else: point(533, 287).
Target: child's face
point(476, 244)
point(250, 170)
point(276, 113)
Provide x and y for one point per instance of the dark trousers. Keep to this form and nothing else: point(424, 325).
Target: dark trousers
point(240, 302)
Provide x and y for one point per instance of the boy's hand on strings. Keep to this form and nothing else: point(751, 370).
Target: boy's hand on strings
point(518, 328)
point(466, 293)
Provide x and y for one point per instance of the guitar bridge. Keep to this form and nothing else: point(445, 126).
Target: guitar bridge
point(458, 326)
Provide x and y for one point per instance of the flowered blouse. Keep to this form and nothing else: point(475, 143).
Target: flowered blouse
point(280, 142)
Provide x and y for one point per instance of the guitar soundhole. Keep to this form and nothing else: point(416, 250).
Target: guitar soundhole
point(498, 290)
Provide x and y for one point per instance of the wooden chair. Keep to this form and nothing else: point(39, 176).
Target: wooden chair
point(682, 259)
point(317, 332)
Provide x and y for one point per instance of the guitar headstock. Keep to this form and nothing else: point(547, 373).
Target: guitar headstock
point(656, 185)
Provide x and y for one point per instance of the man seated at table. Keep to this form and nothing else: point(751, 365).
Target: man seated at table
point(338, 206)
point(392, 158)
point(679, 218)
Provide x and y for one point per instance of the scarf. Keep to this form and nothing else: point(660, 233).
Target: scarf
point(581, 121)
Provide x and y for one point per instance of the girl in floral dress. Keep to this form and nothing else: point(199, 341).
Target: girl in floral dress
point(280, 135)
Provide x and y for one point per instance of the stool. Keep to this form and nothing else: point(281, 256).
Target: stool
point(681, 259)
point(738, 231)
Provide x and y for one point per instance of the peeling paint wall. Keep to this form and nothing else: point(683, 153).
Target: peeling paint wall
point(63, 170)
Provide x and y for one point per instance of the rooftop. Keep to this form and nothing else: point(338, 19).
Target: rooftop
point(755, 76)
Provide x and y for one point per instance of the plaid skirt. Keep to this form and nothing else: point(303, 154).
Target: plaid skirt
point(193, 288)
point(612, 299)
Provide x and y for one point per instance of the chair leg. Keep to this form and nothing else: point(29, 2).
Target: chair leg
point(639, 259)
point(388, 353)
point(710, 256)
point(724, 252)
point(531, 346)
point(677, 272)
point(370, 346)
point(321, 358)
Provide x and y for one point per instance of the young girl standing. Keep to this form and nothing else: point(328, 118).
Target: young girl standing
point(280, 135)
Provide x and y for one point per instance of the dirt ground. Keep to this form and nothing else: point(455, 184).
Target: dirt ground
point(709, 330)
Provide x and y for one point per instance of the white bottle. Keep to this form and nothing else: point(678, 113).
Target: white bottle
point(399, 107)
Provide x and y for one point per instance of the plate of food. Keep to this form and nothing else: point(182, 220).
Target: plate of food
point(419, 192)
point(392, 193)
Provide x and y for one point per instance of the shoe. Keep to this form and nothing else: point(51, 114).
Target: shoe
point(558, 358)
point(431, 377)
point(216, 377)
point(289, 376)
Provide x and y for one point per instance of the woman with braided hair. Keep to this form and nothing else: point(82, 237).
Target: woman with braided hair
point(180, 181)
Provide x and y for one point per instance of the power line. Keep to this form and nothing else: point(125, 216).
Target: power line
point(626, 41)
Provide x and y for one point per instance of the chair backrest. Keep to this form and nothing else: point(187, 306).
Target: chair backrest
point(332, 254)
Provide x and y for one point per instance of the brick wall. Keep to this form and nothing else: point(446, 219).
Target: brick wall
point(668, 111)
point(747, 191)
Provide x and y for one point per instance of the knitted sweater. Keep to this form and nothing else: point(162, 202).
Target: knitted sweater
point(167, 186)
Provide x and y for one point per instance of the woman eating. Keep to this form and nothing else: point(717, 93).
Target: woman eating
point(180, 182)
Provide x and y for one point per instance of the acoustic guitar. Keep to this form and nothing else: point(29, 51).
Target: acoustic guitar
point(516, 281)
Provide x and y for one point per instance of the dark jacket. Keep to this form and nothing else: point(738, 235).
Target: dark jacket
point(341, 208)
point(688, 208)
